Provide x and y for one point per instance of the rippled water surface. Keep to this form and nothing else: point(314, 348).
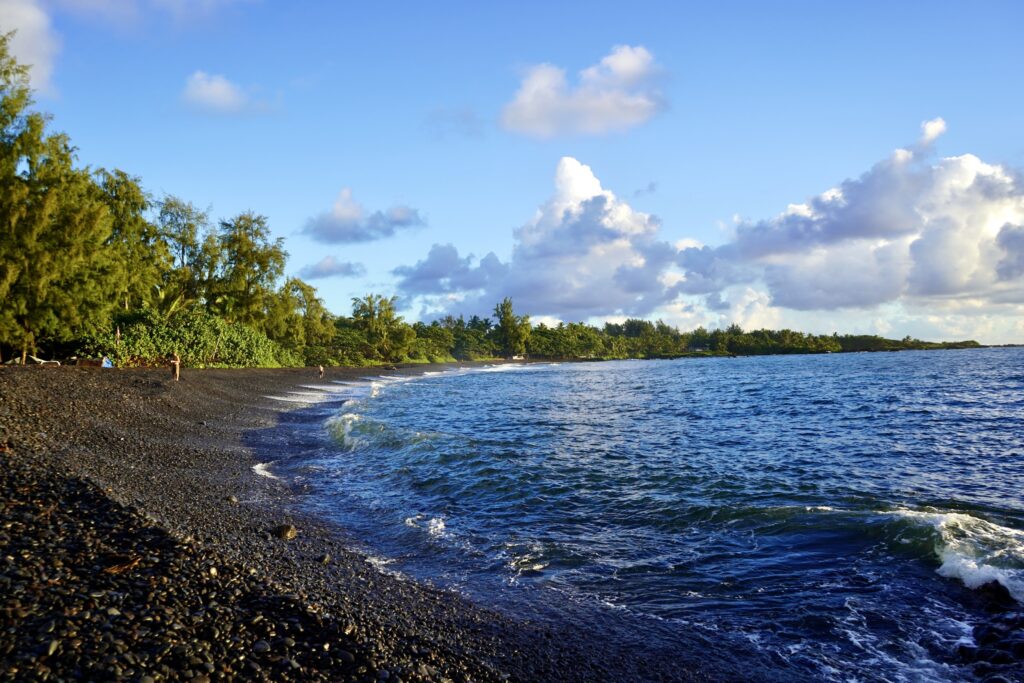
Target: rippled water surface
point(822, 517)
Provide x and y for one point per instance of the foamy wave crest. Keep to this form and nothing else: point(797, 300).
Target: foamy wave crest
point(353, 432)
point(508, 367)
point(434, 526)
point(348, 429)
point(261, 469)
point(974, 550)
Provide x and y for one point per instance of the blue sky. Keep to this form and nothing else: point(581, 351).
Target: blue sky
point(701, 126)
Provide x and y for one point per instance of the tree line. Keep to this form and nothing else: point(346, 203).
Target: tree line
point(91, 264)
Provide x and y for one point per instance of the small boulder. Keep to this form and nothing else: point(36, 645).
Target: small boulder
point(997, 596)
point(286, 532)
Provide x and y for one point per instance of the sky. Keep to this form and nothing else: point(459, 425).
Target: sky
point(851, 167)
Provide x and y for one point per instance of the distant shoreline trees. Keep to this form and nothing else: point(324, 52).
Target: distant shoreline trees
point(91, 264)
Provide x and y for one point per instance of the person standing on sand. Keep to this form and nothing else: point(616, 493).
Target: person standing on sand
point(176, 367)
point(321, 371)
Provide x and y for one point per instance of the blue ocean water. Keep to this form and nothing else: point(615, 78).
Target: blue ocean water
point(823, 517)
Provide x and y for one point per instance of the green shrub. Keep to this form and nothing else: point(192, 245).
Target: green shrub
point(200, 338)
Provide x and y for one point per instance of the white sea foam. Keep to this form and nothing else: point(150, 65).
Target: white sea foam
point(328, 388)
point(381, 565)
point(261, 469)
point(434, 526)
point(501, 368)
point(975, 550)
point(396, 379)
point(374, 386)
point(306, 398)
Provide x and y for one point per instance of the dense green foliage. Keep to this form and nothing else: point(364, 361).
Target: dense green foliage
point(54, 225)
point(512, 331)
point(90, 263)
point(643, 339)
point(199, 337)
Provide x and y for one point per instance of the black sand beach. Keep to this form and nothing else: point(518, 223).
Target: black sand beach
point(137, 544)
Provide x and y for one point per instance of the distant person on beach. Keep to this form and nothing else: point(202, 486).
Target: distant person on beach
point(321, 371)
point(176, 367)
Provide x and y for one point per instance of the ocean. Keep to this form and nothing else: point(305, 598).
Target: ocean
point(828, 517)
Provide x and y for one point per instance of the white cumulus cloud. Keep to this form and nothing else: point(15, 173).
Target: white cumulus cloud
point(917, 244)
point(584, 253)
point(931, 130)
point(912, 229)
point(35, 43)
point(215, 94)
point(617, 93)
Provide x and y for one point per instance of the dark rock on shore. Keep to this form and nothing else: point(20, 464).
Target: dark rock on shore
point(125, 554)
point(999, 642)
point(94, 591)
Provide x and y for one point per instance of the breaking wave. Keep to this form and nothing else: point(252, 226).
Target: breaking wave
point(355, 432)
point(974, 550)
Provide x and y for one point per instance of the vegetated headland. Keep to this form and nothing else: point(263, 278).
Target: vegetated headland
point(93, 265)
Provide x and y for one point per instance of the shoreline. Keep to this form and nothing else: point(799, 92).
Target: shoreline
point(173, 459)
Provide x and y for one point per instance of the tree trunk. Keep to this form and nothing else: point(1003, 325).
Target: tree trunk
point(216, 346)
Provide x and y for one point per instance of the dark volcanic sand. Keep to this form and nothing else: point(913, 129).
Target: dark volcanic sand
point(137, 544)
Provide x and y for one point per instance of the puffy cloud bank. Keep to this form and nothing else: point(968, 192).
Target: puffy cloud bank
point(618, 92)
point(913, 228)
point(917, 244)
point(584, 253)
point(347, 222)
